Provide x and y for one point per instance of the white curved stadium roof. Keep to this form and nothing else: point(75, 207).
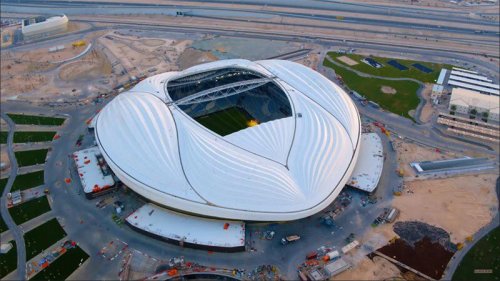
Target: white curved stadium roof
point(283, 169)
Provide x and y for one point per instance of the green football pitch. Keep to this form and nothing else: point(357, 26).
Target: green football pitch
point(227, 121)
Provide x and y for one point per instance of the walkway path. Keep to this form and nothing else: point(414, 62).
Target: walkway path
point(14, 229)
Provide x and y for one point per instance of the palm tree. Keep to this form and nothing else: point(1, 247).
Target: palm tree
point(453, 108)
point(485, 116)
point(473, 113)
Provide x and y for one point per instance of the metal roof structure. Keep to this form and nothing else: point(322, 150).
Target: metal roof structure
point(475, 82)
point(471, 75)
point(90, 170)
point(474, 87)
point(442, 76)
point(368, 169)
point(181, 227)
point(283, 169)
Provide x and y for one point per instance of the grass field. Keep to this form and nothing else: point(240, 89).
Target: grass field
point(3, 137)
point(390, 71)
point(226, 121)
point(29, 210)
point(31, 157)
point(35, 120)
point(484, 255)
point(64, 266)
point(3, 183)
point(42, 237)
point(8, 261)
point(22, 137)
point(26, 181)
point(400, 103)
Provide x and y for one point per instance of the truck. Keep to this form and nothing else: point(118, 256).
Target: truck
point(289, 239)
point(331, 255)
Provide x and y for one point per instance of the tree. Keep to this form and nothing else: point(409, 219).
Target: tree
point(453, 108)
point(473, 113)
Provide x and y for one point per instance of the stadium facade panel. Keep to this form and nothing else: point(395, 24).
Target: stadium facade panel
point(268, 140)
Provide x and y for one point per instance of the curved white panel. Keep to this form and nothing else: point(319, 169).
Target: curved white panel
point(136, 131)
point(284, 169)
point(271, 140)
point(321, 90)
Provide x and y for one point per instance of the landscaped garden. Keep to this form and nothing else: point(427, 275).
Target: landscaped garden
point(22, 119)
point(31, 157)
point(42, 237)
point(64, 266)
point(26, 181)
point(29, 210)
point(8, 261)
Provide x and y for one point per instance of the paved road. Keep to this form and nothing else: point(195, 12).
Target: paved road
point(14, 230)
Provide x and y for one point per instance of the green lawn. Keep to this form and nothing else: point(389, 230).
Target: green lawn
point(22, 137)
point(26, 181)
point(484, 255)
point(29, 210)
point(390, 71)
point(35, 120)
point(62, 267)
point(31, 157)
point(42, 237)
point(3, 226)
point(3, 183)
point(226, 121)
point(400, 103)
point(8, 261)
point(3, 137)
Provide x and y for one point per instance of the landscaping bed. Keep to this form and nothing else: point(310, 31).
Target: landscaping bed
point(3, 226)
point(35, 120)
point(31, 157)
point(26, 181)
point(29, 210)
point(8, 261)
point(3, 183)
point(23, 137)
point(64, 266)
point(3, 137)
point(42, 237)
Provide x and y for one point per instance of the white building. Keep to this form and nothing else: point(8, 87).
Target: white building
point(463, 101)
point(41, 26)
point(296, 152)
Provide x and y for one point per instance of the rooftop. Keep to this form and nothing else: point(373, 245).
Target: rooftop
point(190, 229)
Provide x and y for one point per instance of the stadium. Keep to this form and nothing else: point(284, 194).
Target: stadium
point(268, 140)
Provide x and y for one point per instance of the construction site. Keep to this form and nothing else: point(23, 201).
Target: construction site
point(436, 190)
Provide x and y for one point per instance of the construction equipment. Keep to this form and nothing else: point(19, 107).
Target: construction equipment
point(289, 239)
point(79, 43)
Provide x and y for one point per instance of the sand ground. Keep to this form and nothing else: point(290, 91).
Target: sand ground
point(460, 205)
point(347, 60)
point(427, 110)
point(367, 269)
point(410, 152)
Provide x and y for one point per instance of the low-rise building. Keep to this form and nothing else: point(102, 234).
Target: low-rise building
point(474, 103)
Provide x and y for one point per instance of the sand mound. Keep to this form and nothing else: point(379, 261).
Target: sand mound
point(95, 65)
point(153, 42)
point(347, 60)
point(388, 90)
